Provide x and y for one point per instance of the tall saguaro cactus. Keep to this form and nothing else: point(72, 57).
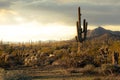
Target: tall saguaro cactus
point(81, 32)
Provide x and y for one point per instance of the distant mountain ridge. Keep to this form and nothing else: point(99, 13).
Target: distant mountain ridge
point(103, 33)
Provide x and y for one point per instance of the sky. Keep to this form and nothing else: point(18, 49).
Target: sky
point(35, 20)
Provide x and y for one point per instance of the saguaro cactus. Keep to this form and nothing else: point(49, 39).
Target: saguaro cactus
point(81, 33)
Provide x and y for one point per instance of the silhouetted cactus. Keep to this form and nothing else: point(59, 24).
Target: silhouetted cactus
point(81, 33)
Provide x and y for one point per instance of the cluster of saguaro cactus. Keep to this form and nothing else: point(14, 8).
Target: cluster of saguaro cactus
point(81, 33)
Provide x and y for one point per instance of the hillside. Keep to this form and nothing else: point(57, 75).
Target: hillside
point(101, 33)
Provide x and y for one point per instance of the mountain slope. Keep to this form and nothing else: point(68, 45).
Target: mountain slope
point(102, 33)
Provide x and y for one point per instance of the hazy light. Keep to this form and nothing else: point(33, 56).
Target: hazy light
point(35, 32)
point(109, 27)
point(112, 27)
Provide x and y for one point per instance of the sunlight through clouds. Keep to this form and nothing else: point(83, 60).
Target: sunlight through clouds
point(35, 32)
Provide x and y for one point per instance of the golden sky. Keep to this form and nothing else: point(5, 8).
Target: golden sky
point(25, 20)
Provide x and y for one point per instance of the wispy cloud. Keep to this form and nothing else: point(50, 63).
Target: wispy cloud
point(46, 11)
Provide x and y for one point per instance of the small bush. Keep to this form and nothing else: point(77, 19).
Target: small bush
point(17, 75)
point(2, 73)
point(13, 75)
point(107, 69)
point(89, 69)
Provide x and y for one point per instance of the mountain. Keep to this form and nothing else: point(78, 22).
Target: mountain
point(102, 33)
point(97, 32)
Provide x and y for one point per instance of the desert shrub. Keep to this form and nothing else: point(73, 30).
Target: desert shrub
point(2, 73)
point(62, 45)
point(84, 59)
point(106, 66)
point(60, 53)
point(3, 60)
point(30, 61)
point(64, 61)
point(47, 50)
point(108, 69)
point(89, 69)
point(14, 75)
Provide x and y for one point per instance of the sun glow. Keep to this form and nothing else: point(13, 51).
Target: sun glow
point(16, 28)
point(35, 32)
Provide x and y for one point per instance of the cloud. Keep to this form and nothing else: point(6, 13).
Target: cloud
point(100, 2)
point(102, 14)
point(4, 4)
point(49, 12)
point(97, 12)
point(10, 17)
